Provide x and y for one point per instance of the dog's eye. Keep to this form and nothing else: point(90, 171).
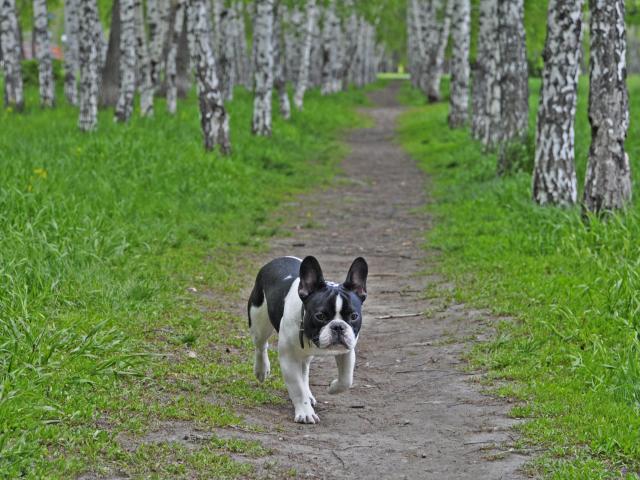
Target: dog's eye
point(354, 316)
point(321, 317)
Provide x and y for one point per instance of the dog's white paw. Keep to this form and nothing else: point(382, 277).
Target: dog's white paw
point(308, 417)
point(337, 387)
point(261, 370)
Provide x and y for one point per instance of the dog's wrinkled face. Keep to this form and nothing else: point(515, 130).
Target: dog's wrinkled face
point(333, 312)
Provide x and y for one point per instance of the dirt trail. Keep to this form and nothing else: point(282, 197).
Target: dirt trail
point(412, 413)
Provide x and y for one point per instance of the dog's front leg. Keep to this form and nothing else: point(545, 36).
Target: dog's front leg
point(293, 373)
point(346, 363)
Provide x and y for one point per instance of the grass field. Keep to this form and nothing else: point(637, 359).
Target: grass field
point(105, 238)
point(571, 287)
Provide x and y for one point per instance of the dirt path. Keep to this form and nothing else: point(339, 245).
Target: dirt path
point(412, 412)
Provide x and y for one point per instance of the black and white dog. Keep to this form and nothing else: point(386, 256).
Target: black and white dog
point(312, 317)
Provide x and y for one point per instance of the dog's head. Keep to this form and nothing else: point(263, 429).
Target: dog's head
point(333, 312)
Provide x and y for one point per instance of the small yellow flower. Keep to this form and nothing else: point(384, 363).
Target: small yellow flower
point(9, 109)
point(41, 172)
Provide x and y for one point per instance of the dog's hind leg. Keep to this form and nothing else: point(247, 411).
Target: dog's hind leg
point(261, 330)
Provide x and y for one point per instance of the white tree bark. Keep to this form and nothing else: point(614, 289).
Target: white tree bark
point(227, 62)
point(293, 42)
point(554, 174)
point(514, 78)
point(213, 116)
point(351, 45)
point(608, 180)
point(42, 43)
point(492, 134)
point(437, 57)
point(459, 97)
point(172, 54)
point(329, 48)
point(10, 44)
point(279, 74)
point(71, 26)
point(158, 13)
point(127, 83)
point(303, 75)
point(481, 73)
point(90, 53)
point(263, 68)
point(144, 63)
point(244, 62)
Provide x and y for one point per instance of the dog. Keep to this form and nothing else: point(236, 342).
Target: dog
point(312, 317)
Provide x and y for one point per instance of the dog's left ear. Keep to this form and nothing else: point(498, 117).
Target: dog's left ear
point(357, 278)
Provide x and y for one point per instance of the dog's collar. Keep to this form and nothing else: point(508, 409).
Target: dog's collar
point(301, 334)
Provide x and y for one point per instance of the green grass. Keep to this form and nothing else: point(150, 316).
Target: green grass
point(103, 239)
point(569, 293)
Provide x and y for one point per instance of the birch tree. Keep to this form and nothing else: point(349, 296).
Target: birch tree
point(42, 43)
point(227, 65)
point(440, 41)
point(329, 48)
point(459, 98)
point(305, 54)
point(554, 174)
point(158, 21)
point(90, 57)
point(263, 68)
point(171, 64)
point(514, 78)
point(484, 70)
point(71, 26)
point(213, 116)
point(279, 72)
point(110, 86)
point(144, 62)
point(127, 83)
point(10, 45)
point(608, 180)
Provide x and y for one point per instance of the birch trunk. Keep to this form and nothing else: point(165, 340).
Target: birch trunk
point(437, 57)
point(293, 40)
point(11, 51)
point(144, 63)
point(514, 78)
point(71, 27)
point(110, 87)
point(127, 84)
point(329, 48)
point(279, 74)
point(305, 55)
point(243, 68)
point(608, 180)
point(481, 74)
point(171, 65)
point(554, 174)
point(227, 65)
point(492, 134)
point(459, 97)
point(158, 22)
point(351, 45)
point(213, 116)
point(263, 68)
point(42, 42)
point(90, 58)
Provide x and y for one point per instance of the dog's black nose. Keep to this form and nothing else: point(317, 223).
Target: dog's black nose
point(337, 327)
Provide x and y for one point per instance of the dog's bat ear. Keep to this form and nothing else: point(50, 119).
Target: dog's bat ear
point(357, 278)
point(311, 278)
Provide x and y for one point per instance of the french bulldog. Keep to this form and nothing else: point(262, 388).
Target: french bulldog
point(312, 317)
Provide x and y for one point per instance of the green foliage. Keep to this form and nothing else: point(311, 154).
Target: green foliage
point(102, 235)
point(572, 288)
point(30, 72)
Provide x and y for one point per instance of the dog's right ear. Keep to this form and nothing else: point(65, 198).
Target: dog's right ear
point(311, 278)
